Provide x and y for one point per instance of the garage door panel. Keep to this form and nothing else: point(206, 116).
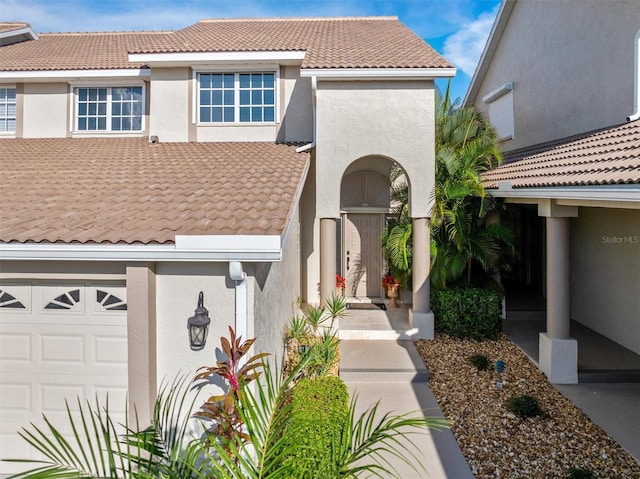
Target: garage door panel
point(15, 348)
point(67, 341)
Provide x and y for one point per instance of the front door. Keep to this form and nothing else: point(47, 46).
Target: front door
point(363, 255)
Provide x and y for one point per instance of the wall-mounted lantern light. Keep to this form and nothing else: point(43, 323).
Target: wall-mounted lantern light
point(199, 325)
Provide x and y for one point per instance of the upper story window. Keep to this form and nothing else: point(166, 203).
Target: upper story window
point(237, 97)
point(109, 108)
point(7, 110)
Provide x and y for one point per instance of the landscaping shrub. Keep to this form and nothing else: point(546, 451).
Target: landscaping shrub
point(473, 313)
point(319, 408)
point(580, 473)
point(524, 406)
point(480, 361)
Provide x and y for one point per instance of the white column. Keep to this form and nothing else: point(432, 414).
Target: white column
point(420, 315)
point(558, 352)
point(327, 258)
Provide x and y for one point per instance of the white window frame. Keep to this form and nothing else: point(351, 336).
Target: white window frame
point(195, 104)
point(73, 105)
point(10, 132)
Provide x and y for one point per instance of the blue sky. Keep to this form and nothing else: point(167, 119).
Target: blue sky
point(455, 28)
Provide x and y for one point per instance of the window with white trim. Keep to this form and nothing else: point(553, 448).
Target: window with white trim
point(7, 110)
point(247, 97)
point(109, 108)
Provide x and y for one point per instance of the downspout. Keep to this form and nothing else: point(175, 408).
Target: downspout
point(636, 86)
point(240, 278)
point(314, 89)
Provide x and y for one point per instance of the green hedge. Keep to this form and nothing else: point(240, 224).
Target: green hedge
point(473, 313)
point(319, 408)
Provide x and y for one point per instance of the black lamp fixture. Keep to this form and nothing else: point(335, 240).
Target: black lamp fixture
point(199, 325)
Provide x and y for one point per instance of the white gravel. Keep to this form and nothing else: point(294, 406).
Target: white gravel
point(498, 444)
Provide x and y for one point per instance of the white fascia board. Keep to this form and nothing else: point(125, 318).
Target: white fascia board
point(21, 31)
point(46, 75)
point(499, 25)
point(204, 58)
point(498, 92)
point(223, 248)
point(606, 193)
point(378, 73)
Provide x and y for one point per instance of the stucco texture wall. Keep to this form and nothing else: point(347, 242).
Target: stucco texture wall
point(45, 110)
point(605, 273)
point(276, 288)
point(572, 66)
point(177, 288)
point(357, 119)
point(170, 107)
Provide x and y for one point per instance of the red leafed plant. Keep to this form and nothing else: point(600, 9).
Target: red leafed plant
point(340, 282)
point(389, 281)
point(223, 409)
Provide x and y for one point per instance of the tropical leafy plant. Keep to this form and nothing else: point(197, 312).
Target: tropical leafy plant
point(222, 410)
point(461, 233)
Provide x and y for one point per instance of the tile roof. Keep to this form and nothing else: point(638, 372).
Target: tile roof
point(74, 51)
point(126, 190)
point(348, 42)
point(11, 26)
point(360, 42)
point(602, 157)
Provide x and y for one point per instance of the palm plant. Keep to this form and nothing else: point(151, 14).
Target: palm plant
point(260, 449)
point(466, 147)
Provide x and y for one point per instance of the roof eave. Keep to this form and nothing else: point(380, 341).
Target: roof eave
point(217, 248)
point(28, 32)
point(71, 75)
point(378, 73)
point(621, 192)
point(177, 59)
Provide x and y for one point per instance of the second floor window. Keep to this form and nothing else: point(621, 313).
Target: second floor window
point(237, 97)
point(109, 109)
point(7, 110)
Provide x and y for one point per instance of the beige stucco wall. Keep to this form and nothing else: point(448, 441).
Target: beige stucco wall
point(296, 106)
point(177, 288)
point(605, 273)
point(374, 118)
point(276, 288)
point(571, 62)
point(45, 110)
point(237, 133)
point(170, 104)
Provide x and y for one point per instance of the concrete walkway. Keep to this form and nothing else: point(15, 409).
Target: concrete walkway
point(393, 373)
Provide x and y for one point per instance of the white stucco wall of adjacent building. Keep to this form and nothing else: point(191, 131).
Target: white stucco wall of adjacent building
point(45, 110)
point(571, 63)
point(605, 275)
point(356, 119)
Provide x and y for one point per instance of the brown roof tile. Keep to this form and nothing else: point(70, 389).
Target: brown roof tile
point(11, 26)
point(108, 190)
point(75, 51)
point(607, 156)
point(361, 42)
point(354, 42)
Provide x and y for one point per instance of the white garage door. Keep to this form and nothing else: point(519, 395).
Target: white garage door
point(58, 341)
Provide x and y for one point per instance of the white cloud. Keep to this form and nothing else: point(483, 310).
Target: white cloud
point(464, 47)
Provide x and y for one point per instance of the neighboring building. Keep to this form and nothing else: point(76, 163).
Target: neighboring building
point(233, 157)
point(558, 80)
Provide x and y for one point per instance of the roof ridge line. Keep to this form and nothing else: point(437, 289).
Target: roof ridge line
point(118, 32)
point(298, 19)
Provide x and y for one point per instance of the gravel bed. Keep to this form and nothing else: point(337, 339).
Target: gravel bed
point(495, 442)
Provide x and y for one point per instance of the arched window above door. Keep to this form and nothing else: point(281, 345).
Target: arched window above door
point(365, 189)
